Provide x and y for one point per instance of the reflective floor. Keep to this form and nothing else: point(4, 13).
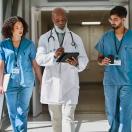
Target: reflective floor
point(84, 123)
point(89, 115)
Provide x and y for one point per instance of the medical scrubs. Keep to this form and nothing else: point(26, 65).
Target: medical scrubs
point(118, 81)
point(21, 84)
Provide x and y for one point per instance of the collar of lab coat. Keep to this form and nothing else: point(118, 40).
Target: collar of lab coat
point(54, 32)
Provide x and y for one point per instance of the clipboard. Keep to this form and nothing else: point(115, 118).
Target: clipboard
point(67, 55)
point(6, 80)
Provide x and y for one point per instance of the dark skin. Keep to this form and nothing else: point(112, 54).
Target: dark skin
point(59, 19)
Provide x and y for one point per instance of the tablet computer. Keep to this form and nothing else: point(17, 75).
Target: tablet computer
point(67, 55)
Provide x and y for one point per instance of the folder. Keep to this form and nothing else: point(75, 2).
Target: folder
point(67, 55)
point(6, 80)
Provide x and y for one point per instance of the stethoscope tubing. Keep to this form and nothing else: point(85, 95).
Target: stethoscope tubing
point(72, 43)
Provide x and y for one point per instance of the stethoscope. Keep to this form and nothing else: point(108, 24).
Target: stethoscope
point(73, 43)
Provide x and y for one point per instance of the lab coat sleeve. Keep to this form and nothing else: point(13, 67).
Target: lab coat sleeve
point(43, 56)
point(82, 59)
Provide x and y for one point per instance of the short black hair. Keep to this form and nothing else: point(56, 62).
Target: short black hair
point(119, 11)
point(9, 24)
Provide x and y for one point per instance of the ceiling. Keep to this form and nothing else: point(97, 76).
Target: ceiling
point(76, 17)
point(73, 0)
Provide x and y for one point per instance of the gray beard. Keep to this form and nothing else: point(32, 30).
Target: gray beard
point(60, 30)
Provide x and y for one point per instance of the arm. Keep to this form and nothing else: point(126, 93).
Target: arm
point(1, 76)
point(102, 60)
point(37, 70)
point(44, 57)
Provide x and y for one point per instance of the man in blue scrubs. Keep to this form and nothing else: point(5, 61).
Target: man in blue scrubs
point(115, 54)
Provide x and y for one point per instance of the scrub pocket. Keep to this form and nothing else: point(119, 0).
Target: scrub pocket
point(14, 80)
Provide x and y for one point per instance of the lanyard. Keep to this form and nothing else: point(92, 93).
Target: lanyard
point(16, 53)
point(58, 38)
point(116, 47)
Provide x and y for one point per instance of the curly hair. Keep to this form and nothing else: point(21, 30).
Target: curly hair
point(9, 24)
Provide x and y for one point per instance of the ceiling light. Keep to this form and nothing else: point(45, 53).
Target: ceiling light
point(91, 23)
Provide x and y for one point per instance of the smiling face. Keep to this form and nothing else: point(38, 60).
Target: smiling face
point(18, 29)
point(116, 21)
point(59, 18)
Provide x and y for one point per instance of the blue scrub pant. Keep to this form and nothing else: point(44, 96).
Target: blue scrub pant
point(118, 102)
point(17, 100)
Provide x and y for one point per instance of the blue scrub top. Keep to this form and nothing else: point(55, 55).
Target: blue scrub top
point(117, 75)
point(26, 54)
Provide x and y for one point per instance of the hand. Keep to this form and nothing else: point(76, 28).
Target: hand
point(59, 52)
point(1, 90)
point(72, 61)
point(105, 61)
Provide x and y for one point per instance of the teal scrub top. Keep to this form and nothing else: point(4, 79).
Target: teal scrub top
point(26, 54)
point(117, 75)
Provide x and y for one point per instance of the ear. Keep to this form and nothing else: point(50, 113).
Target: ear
point(124, 19)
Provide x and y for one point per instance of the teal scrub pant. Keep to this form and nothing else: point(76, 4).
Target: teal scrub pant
point(18, 100)
point(118, 102)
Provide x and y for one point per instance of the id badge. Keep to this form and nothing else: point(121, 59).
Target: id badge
point(116, 63)
point(16, 70)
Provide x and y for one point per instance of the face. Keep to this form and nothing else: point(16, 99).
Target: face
point(18, 29)
point(116, 21)
point(59, 20)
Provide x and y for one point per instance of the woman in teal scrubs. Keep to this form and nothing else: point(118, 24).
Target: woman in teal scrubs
point(115, 53)
point(17, 57)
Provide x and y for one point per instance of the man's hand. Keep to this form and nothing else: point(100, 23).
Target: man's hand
point(105, 61)
point(59, 52)
point(72, 61)
point(1, 90)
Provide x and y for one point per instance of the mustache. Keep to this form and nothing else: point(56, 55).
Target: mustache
point(114, 26)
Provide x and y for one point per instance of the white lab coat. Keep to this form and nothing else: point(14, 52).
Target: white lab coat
point(60, 82)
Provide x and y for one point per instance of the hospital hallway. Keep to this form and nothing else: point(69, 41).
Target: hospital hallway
point(90, 112)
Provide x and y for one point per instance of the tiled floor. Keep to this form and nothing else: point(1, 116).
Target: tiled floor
point(84, 123)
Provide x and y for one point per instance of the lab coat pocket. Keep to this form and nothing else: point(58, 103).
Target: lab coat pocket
point(47, 75)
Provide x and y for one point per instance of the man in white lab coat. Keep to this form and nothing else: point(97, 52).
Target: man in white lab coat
point(60, 83)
